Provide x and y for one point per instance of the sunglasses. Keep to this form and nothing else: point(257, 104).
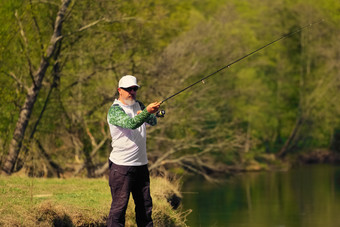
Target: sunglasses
point(128, 89)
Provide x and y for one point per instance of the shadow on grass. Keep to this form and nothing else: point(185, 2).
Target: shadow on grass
point(53, 218)
point(52, 215)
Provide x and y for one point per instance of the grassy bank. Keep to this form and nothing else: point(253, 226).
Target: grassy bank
point(75, 202)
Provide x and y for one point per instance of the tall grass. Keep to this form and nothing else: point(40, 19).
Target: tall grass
point(76, 202)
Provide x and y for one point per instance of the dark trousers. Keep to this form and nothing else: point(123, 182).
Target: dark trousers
point(122, 181)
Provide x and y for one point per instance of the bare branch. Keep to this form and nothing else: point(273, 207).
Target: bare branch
point(26, 50)
point(45, 2)
point(93, 141)
point(96, 148)
point(56, 37)
point(162, 158)
point(79, 81)
point(197, 171)
point(102, 128)
point(89, 25)
point(85, 27)
point(102, 169)
point(92, 24)
point(38, 29)
point(93, 153)
point(17, 80)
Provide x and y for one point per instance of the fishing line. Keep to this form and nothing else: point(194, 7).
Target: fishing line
point(245, 56)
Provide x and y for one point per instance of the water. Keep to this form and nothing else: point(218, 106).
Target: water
point(307, 196)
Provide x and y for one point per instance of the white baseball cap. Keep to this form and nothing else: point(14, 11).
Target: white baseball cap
point(128, 81)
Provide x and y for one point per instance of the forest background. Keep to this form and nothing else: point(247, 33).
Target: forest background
point(60, 62)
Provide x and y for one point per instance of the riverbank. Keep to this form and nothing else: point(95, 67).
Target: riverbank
point(318, 156)
point(77, 202)
point(269, 162)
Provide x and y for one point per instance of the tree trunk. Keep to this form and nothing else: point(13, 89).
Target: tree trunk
point(27, 108)
point(19, 132)
point(291, 138)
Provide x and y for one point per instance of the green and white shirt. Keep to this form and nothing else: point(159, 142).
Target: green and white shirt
point(128, 132)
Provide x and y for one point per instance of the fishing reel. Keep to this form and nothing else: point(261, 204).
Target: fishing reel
point(160, 113)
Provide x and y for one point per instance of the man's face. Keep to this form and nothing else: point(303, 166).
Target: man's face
point(128, 95)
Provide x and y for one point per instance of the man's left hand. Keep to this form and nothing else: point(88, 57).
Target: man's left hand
point(153, 107)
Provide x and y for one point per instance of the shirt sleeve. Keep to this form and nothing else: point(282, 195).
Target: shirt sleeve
point(118, 117)
point(151, 120)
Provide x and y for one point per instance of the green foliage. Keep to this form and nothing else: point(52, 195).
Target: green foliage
point(263, 96)
point(251, 107)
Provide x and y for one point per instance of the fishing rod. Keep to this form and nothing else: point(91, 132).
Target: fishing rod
point(162, 112)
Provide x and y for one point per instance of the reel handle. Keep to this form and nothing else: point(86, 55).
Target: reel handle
point(160, 113)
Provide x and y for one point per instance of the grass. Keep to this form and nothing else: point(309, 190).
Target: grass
point(76, 202)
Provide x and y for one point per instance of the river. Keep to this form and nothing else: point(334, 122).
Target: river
point(307, 196)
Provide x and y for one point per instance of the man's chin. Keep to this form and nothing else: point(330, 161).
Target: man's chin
point(130, 102)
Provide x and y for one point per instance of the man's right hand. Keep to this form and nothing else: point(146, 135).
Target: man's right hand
point(153, 107)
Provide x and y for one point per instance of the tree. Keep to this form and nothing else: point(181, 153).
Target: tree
point(33, 91)
point(84, 74)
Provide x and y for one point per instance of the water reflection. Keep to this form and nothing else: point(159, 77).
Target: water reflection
point(305, 196)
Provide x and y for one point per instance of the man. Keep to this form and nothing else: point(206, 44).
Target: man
point(128, 159)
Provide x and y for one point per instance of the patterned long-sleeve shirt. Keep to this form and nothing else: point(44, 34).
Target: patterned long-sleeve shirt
point(118, 117)
point(128, 132)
